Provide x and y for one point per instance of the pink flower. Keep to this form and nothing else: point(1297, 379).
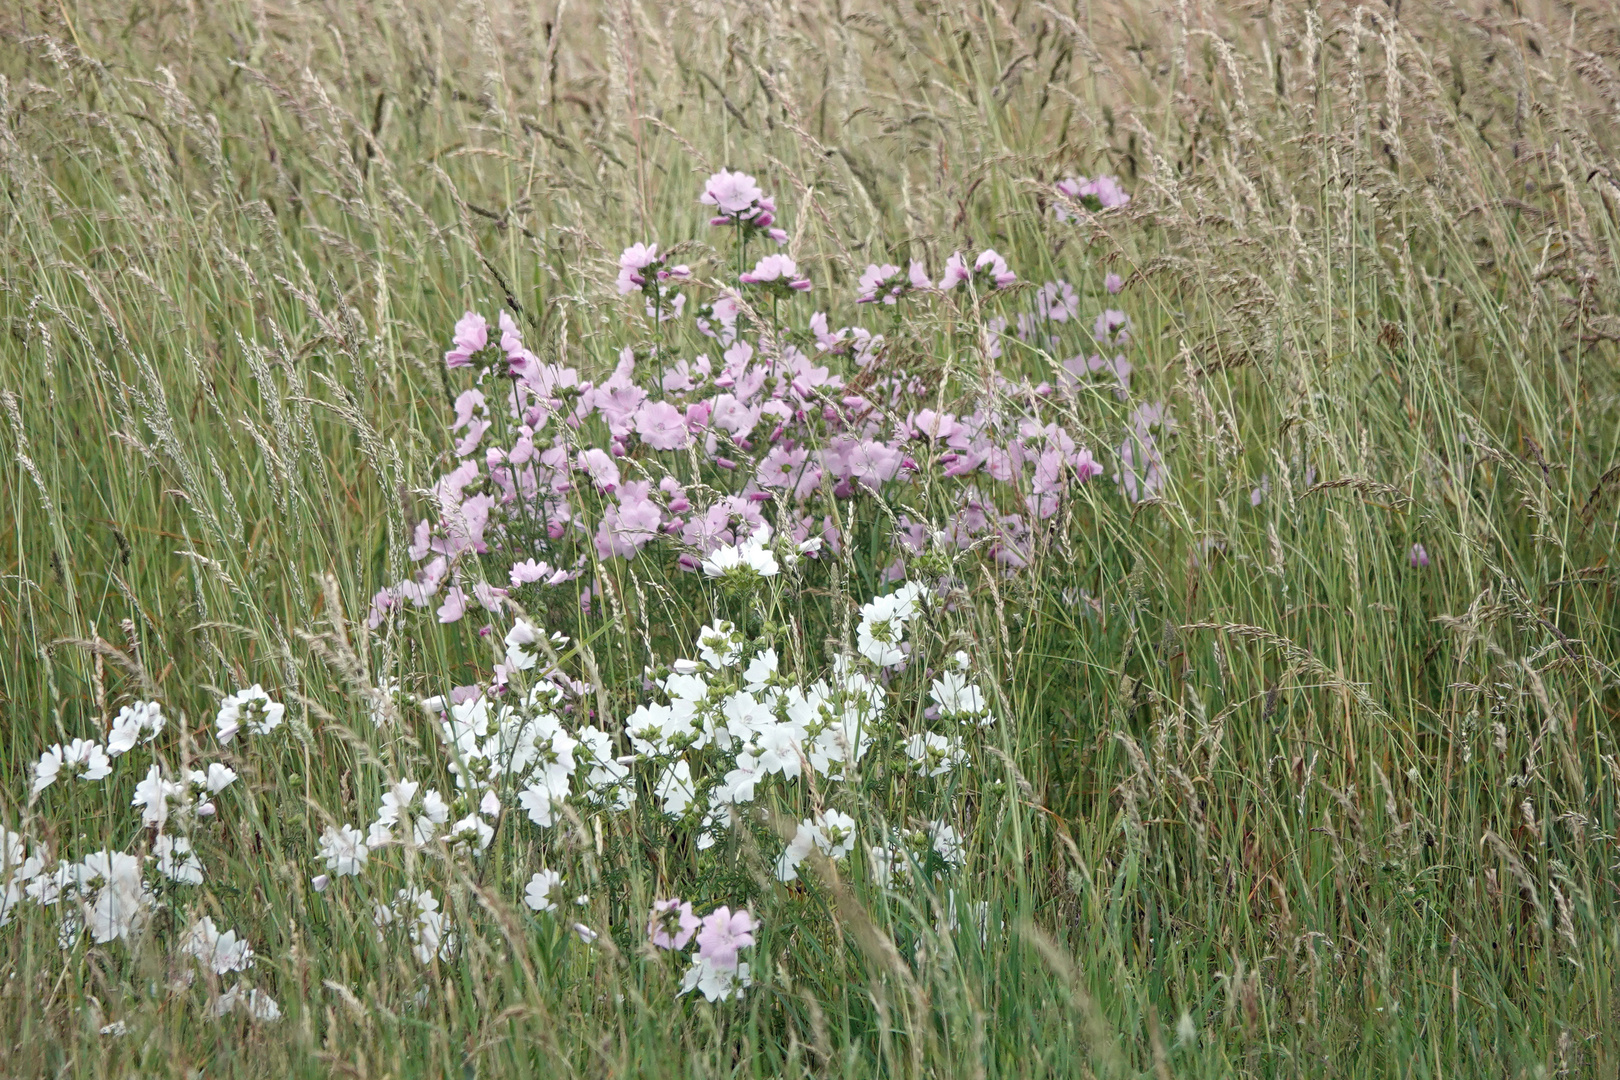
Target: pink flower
point(781, 467)
point(723, 933)
point(1085, 466)
point(1113, 283)
point(956, 272)
point(454, 606)
point(1056, 301)
point(876, 278)
point(1103, 193)
point(919, 275)
point(472, 334)
point(995, 267)
point(1113, 327)
point(672, 924)
point(773, 269)
point(661, 425)
point(731, 192)
point(635, 259)
point(1419, 557)
point(598, 464)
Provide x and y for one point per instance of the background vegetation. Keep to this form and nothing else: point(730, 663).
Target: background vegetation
point(1275, 800)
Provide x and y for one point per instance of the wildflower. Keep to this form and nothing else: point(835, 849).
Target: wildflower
point(731, 193)
point(746, 561)
point(472, 334)
point(344, 849)
point(540, 894)
point(176, 861)
point(994, 267)
point(672, 924)
point(259, 1006)
point(715, 984)
point(635, 259)
point(889, 284)
point(121, 904)
point(144, 718)
point(946, 842)
point(778, 272)
point(1056, 301)
point(1112, 327)
point(220, 953)
point(723, 933)
point(741, 203)
point(251, 708)
point(1103, 193)
point(154, 794)
point(1112, 283)
point(675, 789)
point(1418, 557)
point(935, 755)
point(661, 426)
point(719, 645)
point(956, 272)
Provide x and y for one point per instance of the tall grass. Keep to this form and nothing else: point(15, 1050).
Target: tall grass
point(1269, 799)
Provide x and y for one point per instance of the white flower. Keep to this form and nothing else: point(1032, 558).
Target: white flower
point(120, 907)
point(50, 763)
point(176, 861)
point(474, 829)
point(675, 788)
point(779, 751)
point(946, 842)
point(880, 641)
point(259, 1006)
point(540, 803)
point(218, 952)
point(88, 757)
point(833, 834)
point(344, 850)
point(541, 890)
point(716, 984)
point(935, 755)
point(720, 645)
point(155, 793)
point(251, 708)
point(490, 804)
point(131, 723)
point(957, 695)
point(752, 556)
point(216, 779)
point(523, 634)
point(396, 800)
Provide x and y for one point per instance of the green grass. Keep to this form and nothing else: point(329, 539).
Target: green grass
point(1277, 803)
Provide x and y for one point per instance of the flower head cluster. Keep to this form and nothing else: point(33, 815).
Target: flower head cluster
point(643, 270)
point(989, 271)
point(739, 203)
point(776, 275)
point(888, 283)
point(717, 972)
point(251, 708)
point(1103, 193)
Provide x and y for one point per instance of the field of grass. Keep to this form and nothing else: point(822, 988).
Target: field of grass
point(1305, 756)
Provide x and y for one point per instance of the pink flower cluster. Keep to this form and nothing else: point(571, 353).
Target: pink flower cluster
point(552, 469)
point(1103, 193)
point(741, 204)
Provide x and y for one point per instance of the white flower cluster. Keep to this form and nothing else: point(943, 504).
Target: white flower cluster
point(112, 895)
point(427, 928)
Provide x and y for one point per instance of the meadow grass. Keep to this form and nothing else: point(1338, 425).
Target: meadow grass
point(1266, 798)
